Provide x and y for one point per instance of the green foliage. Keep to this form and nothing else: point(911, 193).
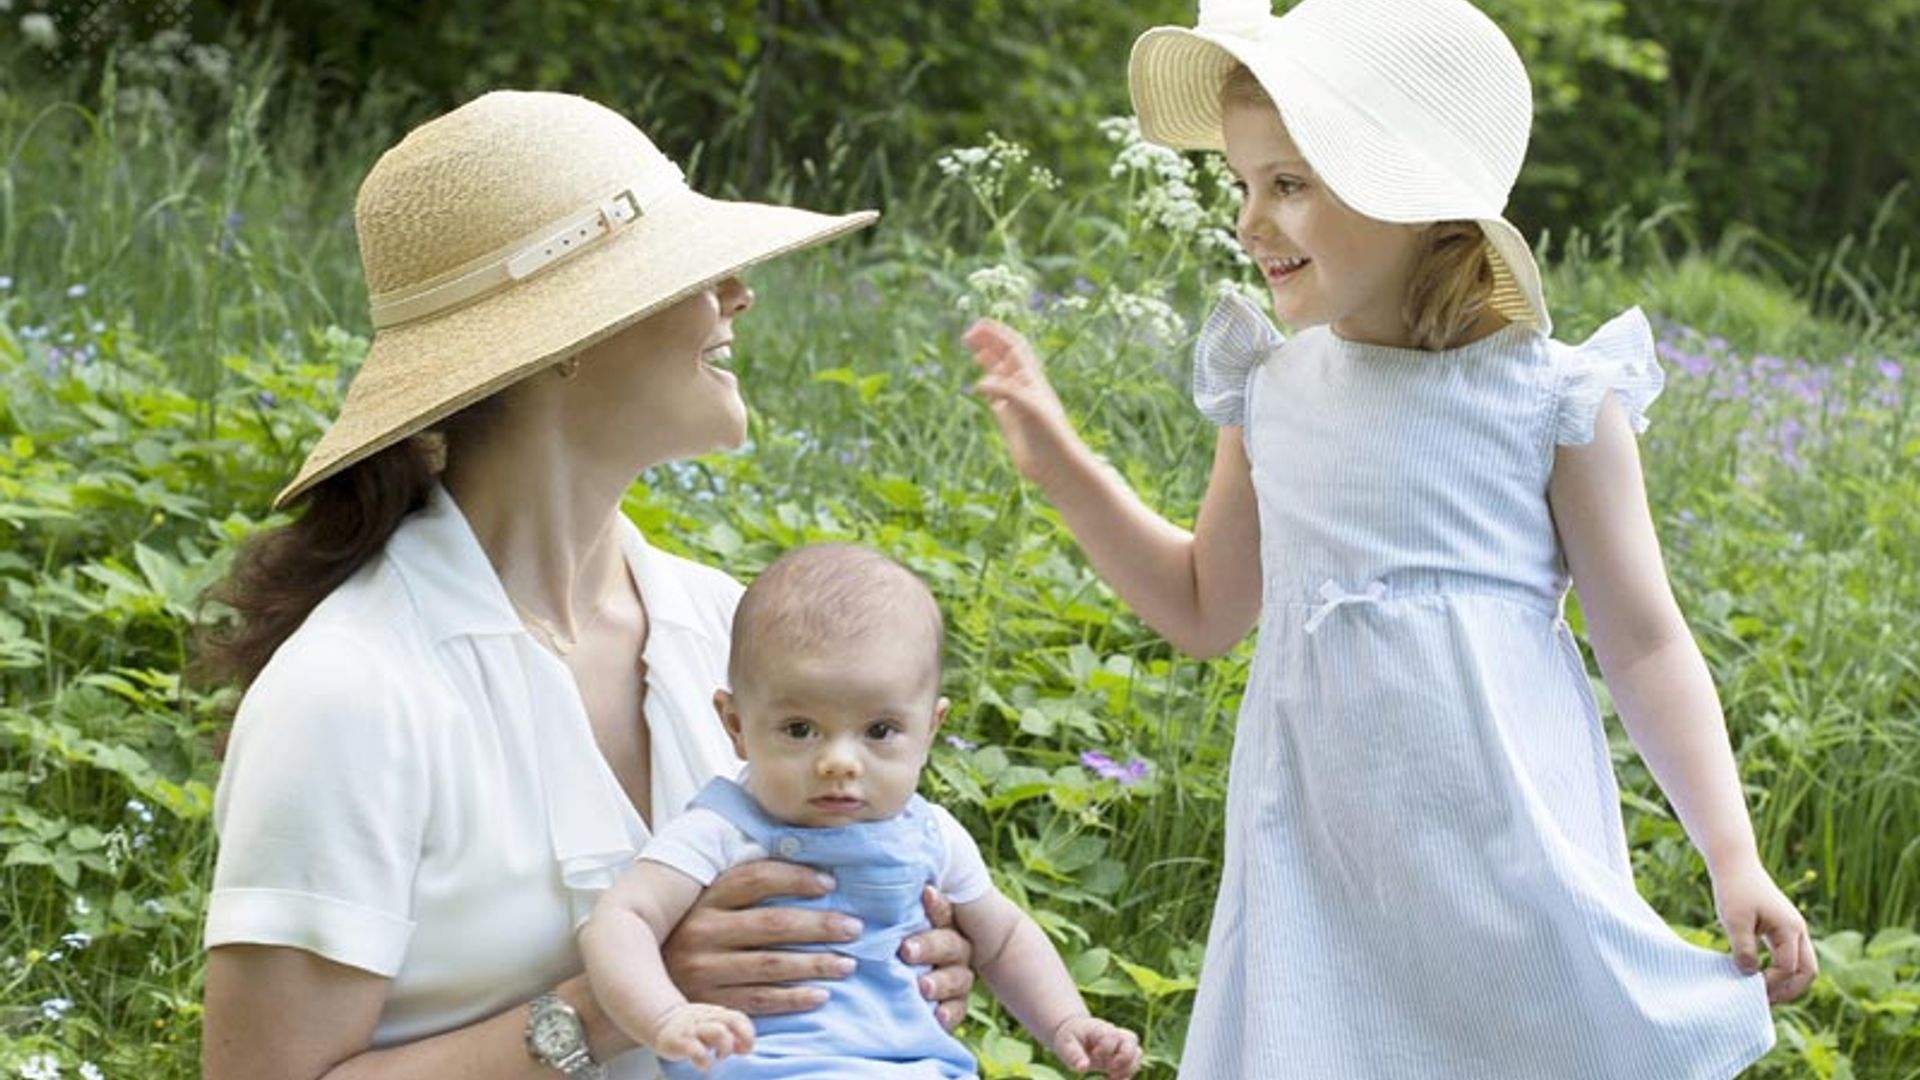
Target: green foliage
point(147, 417)
point(1772, 115)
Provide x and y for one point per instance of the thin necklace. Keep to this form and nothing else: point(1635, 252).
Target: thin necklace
point(544, 629)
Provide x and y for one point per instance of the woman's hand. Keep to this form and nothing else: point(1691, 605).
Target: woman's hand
point(1039, 436)
point(950, 955)
point(1753, 909)
point(726, 952)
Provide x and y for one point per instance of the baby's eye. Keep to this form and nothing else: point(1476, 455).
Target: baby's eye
point(882, 730)
point(1288, 185)
point(797, 729)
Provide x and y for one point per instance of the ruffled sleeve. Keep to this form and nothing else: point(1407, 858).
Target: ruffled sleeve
point(1234, 341)
point(1619, 357)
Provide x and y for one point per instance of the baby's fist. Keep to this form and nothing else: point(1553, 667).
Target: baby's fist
point(1085, 1044)
point(704, 1034)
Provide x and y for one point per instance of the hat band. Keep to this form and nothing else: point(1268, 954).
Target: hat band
point(526, 256)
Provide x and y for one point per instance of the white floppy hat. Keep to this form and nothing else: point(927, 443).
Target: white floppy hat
point(513, 232)
point(1410, 110)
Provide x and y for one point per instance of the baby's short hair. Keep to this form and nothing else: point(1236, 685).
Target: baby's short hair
point(829, 595)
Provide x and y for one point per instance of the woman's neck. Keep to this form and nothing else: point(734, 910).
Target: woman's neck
point(543, 501)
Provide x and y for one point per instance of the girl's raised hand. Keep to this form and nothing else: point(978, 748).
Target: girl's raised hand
point(1015, 387)
point(1753, 909)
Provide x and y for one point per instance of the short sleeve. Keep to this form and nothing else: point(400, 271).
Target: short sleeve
point(1619, 357)
point(963, 878)
point(700, 844)
point(321, 808)
point(1233, 341)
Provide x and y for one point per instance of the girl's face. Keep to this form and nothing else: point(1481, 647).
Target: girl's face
point(662, 374)
point(1325, 263)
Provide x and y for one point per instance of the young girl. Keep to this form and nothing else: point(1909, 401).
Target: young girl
point(1425, 871)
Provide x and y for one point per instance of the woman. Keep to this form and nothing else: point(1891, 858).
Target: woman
point(447, 748)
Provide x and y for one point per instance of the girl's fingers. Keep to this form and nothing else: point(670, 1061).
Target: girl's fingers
point(1745, 945)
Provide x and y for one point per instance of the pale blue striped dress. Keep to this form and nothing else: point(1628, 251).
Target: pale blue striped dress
point(1426, 875)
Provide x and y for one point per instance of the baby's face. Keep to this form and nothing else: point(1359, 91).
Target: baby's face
point(837, 735)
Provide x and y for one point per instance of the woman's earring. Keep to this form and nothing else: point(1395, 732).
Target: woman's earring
point(569, 367)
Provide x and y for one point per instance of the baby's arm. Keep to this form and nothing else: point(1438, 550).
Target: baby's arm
point(1024, 971)
point(1199, 589)
point(621, 946)
point(1663, 690)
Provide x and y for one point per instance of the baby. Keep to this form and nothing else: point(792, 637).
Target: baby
point(835, 699)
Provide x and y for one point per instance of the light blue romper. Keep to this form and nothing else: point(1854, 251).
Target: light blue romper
point(1426, 876)
point(875, 1025)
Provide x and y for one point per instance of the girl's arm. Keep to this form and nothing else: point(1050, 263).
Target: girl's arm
point(1663, 691)
point(280, 1013)
point(1201, 589)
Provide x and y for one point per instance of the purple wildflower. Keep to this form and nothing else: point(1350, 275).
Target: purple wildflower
point(1789, 434)
point(265, 399)
point(961, 744)
point(1134, 771)
point(1890, 368)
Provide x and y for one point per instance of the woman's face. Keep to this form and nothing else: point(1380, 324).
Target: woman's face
point(664, 373)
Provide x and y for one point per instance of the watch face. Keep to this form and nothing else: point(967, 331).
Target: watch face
point(554, 1032)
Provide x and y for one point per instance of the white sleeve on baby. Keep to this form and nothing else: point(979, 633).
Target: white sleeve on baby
point(963, 875)
point(702, 845)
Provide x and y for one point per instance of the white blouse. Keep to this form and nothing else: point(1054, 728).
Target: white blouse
point(412, 787)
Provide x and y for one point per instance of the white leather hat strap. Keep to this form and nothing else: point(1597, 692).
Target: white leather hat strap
point(528, 255)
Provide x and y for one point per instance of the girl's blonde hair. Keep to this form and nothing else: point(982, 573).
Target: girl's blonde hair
point(1452, 279)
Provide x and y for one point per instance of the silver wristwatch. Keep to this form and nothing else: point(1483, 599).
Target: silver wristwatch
point(557, 1039)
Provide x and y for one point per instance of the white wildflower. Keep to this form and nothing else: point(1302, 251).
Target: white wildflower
point(997, 291)
point(37, 27)
point(40, 1067)
point(1152, 315)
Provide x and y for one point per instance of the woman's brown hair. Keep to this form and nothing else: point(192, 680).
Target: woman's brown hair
point(1452, 277)
point(281, 575)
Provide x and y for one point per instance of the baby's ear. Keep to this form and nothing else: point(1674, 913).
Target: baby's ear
point(729, 719)
point(940, 713)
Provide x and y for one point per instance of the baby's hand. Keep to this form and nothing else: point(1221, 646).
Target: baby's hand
point(1753, 908)
point(702, 1033)
point(1085, 1044)
point(1023, 402)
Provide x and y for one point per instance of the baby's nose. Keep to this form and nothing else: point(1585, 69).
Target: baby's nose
point(837, 759)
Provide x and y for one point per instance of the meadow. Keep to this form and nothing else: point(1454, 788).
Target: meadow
point(180, 310)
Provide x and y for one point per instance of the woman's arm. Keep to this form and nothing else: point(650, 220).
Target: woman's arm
point(727, 952)
point(277, 1013)
point(1663, 690)
point(1201, 589)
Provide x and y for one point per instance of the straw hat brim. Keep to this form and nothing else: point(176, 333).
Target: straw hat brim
point(417, 374)
point(1175, 75)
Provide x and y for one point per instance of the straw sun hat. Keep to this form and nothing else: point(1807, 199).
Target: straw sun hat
point(1411, 111)
point(513, 232)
